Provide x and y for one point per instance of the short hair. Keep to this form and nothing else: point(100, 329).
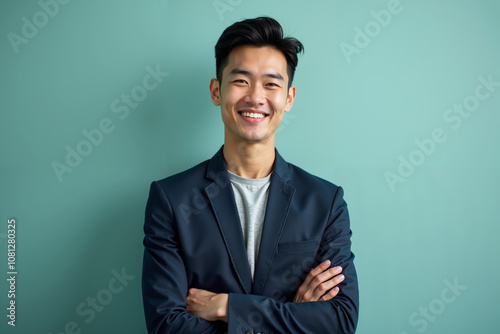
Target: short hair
point(261, 31)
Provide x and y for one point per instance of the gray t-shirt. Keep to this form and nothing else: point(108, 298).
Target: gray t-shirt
point(251, 200)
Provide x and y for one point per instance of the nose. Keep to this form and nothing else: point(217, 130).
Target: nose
point(256, 95)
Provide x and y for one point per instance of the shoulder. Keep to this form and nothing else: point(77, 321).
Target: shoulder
point(299, 179)
point(302, 178)
point(189, 178)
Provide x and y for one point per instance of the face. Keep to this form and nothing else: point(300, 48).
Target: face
point(253, 94)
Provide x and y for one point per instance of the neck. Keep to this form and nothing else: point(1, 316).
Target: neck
point(249, 160)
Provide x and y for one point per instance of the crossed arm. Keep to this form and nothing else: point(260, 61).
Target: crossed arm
point(319, 306)
point(319, 285)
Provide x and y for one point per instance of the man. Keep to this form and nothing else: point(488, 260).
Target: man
point(245, 242)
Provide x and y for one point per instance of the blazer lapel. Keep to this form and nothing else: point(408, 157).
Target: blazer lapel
point(278, 204)
point(221, 197)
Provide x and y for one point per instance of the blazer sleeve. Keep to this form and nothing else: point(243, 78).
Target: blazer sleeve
point(259, 314)
point(164, 281)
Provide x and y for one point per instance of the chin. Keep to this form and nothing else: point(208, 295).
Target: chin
point(256, 138)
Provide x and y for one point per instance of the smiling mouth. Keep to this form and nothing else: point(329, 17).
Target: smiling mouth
point(252, 114)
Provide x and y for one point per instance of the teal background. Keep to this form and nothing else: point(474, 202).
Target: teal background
point(350, 123)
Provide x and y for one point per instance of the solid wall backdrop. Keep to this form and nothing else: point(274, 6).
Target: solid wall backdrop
point(397, 102)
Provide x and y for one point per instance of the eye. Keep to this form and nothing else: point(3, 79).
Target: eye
point(272, 84)
point(240, 81)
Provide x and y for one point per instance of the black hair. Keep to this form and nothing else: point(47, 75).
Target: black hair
point(261, 31)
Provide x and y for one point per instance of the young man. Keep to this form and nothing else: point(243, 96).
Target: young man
point(245, 242)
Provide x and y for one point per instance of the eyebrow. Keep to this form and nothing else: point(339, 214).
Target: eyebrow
point(273, 75)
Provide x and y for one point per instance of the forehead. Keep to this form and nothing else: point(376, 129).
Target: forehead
point(257, 60)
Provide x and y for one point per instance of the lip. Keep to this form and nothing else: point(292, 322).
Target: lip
point(250, 119)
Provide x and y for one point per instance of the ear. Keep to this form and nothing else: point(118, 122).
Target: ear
point(215, 91)
point(290, 98)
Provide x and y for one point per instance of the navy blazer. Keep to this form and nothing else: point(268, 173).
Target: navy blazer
point(193, 239)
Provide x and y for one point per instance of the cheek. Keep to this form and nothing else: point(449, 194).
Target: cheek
point(231, 95)
point(229, 103)
point(277, 101)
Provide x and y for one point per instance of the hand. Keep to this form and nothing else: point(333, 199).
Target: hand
point(320, 284)
point(207, 305)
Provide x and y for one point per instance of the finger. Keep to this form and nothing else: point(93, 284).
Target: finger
point(304, 287)
point(191, 295)
point(325, 287)
point(320, 285)
point(330, 294)
point(317, 276)
point(316, 271)
point(321, 290)
point(306, 291)
point(323, 277)
point(198, 292)
point(327, 274)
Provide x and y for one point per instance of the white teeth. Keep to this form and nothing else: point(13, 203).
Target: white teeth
point(252, 115)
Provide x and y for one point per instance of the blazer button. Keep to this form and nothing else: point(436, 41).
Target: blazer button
point(248, 332)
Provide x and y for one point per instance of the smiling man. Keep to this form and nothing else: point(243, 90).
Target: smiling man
point(246, 242)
